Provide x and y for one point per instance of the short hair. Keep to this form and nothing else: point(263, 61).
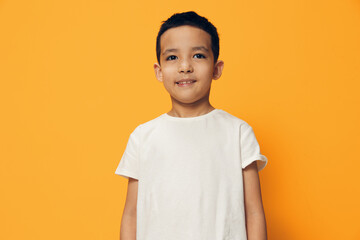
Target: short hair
point(190, 18)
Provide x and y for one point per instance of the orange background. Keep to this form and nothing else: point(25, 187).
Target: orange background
point(77, 78)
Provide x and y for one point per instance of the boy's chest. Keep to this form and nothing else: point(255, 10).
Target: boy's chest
point(195, 154)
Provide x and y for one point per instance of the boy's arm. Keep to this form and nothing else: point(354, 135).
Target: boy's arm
point(128, 221)
point(254, 211)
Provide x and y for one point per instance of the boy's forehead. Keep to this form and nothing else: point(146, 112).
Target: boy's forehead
point(184, 37)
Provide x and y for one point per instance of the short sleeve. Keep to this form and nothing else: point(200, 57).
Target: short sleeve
point(129, 162)
point(250, 149)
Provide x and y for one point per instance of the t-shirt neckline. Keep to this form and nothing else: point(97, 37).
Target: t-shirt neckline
point(192, 118)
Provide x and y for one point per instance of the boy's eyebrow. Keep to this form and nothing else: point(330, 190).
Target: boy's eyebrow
point(169, 50)
point(194, 49)
point(201, 48)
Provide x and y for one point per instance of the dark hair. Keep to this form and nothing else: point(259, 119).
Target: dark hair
point(192, 19)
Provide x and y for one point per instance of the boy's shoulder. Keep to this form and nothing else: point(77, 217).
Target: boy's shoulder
point(230, 117)
point(151, 123)
point(147, 125)
point(234, 120)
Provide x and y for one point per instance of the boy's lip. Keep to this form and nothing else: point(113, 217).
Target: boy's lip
point(185, 80)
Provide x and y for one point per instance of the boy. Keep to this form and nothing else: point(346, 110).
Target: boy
point(192, 172)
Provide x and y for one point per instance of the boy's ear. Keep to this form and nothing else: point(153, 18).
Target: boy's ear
point(158, 72)
point(218, 68)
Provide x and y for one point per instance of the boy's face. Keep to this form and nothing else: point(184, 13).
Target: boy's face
point(186, 55)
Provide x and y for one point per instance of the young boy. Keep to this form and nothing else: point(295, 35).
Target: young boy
point(192, 172)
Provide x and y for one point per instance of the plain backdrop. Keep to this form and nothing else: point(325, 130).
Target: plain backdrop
point(76, 78)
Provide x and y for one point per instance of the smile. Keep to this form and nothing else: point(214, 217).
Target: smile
point(185, 83)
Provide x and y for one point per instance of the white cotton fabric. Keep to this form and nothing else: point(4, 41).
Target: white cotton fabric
point(190, 176)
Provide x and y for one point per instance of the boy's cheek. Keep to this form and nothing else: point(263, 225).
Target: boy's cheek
point(168, 71)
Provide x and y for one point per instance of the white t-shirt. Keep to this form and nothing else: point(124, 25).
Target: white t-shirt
point(190, 176)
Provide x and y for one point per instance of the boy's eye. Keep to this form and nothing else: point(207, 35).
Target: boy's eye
point(172, 57)
point(198, 55)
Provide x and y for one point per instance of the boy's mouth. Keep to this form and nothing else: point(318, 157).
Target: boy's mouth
point(183, 83)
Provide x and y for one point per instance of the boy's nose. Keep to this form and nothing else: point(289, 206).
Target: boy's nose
point(185, 66)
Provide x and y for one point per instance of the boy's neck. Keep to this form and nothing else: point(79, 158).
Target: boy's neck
point(191, 110)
